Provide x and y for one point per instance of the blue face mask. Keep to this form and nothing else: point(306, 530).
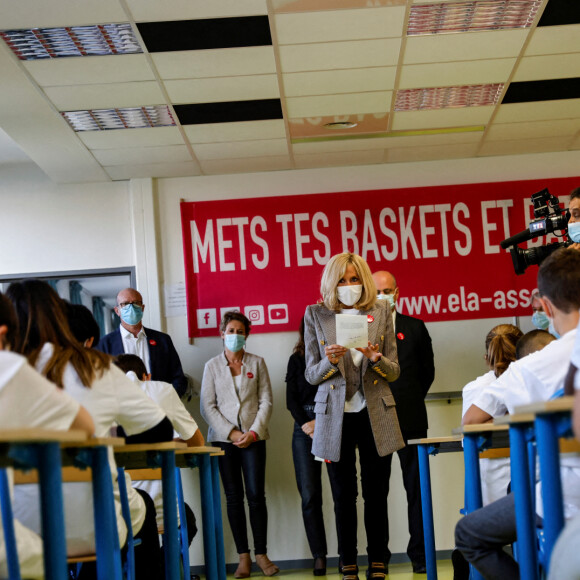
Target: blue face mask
point(234, 342)
point(131, 314)
point(574, 231)
point(540, 320)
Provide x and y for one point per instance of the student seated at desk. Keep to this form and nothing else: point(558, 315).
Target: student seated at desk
point(88, 376)
point(481, 535)
point(28, 400)
point(185, 427)
point(500, 352)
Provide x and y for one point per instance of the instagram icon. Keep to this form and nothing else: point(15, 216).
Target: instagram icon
point(255, 314)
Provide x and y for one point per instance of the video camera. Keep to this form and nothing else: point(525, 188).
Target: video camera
point(549, 218)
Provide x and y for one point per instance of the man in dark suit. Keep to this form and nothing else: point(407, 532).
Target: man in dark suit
point(154, 348)
point(417, 372)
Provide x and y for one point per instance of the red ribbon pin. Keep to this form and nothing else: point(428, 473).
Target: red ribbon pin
point(370, 318)
point(400, 335)
point(250, 375)
point(152, 342)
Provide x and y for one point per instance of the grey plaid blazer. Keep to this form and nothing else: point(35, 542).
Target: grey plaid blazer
point(225, 409)
point(320, 331)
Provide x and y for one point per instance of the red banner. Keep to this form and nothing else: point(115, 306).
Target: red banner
point(264, 256)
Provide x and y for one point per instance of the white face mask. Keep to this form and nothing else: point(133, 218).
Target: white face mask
point(349, 295)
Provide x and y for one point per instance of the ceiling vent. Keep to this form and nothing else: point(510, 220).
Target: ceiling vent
point(106, 119)
point(448, 97)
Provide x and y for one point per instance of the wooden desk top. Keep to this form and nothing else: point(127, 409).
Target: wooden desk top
point(429, 440)
point(200, 451)
point(41, 436)
point(144, 447)
point(557, 405)
point(515, 418)
point(479, 428)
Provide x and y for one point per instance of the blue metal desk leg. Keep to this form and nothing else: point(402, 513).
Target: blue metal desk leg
point(8, 525)
point(473, 499)
point(427, 509)
point(208, 516)
point(549, 454)
point(106, 534)
point(218, 522)
point(52, 511)
point(170, 535)
point(525, 514)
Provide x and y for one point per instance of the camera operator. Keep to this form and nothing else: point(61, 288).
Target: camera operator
point(574, 221)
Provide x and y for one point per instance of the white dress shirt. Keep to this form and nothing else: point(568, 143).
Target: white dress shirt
point(138, 346)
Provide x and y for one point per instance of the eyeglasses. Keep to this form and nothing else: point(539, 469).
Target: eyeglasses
point(135, 302)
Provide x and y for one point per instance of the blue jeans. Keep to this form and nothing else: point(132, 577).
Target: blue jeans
point(239, 469)
point(308, 479)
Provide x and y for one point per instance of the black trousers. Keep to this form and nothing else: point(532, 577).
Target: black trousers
point(409, 459)
point(356, 432)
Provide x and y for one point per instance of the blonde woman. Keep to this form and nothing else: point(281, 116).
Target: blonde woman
point(354, 406)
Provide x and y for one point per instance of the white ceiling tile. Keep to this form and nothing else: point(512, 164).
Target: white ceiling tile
point(114, 95)
point(524, 146)
point(556, 66)
point(339, 55)
point(90, 70)
point(223, 89)
point(155, 11)
point(119, 172)
point(242, 131)
point(463, 117)
point(562, 109)
point(337, 145)
point(350, 104)
point(248, 165)
point(480, 72)
point(464, 46)
point(35, 14)
point(146, 137)
point(398, 142)
point(554, 39)
point(339, 25)
point(142, 155)
point(407, 154)
point(533, 130)
point(339, 81)
point(241, 149)
point(189, 64)
point(342, 158)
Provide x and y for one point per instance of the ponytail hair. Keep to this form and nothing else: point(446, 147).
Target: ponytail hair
point(500, 347)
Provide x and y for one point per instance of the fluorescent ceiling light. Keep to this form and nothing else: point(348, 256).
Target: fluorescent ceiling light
point(448, 97)
point(134, 118)
point(466, 16)
point(97, 40)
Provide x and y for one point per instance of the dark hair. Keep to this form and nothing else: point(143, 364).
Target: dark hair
point(82, 323)
point(500, 347)
point(533, 341)
point(300, 347)
point(559, 279)
point(575, 193)
point(235, 315)
point(42, 318)
point(8, 319)
point(131, 362)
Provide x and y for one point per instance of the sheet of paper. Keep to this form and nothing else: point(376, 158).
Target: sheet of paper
point(352, 331)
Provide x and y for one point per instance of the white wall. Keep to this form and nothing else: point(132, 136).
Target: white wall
point(44, 227)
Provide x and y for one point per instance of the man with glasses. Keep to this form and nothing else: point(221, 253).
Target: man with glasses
point(154, 348)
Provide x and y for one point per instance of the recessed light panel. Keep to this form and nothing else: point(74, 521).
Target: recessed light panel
point(133, 118)
point(466, 16)
point(98, 40)
point(448, 97)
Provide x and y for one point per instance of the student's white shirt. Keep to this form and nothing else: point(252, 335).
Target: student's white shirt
point(165, 396)
point(575, 359)
point(535, 377)
point(111, 398)
point(471, 390)
point(495, 473)
point(27, 399)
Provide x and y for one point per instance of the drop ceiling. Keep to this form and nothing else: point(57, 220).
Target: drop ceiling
point(251, 84)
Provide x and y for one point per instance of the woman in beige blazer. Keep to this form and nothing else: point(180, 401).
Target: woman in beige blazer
point(354, 406)
point(236, 402)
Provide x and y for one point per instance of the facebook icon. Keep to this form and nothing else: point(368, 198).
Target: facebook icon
point(206, 318)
